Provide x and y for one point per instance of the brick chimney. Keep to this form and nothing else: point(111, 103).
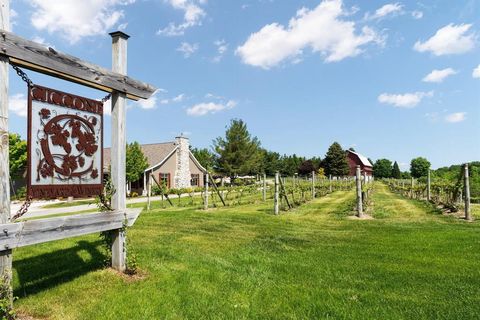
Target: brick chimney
point(182, 171)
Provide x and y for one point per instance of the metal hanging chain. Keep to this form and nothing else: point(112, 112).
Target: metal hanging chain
point(22, 74)
point(28, 201)
point(106, 98)
point(23, 209)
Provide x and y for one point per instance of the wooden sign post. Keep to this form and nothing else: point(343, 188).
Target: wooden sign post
point(5, 255)
point(34, 56)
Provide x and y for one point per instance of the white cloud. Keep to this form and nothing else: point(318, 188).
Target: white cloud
point(476, 72)
point(18, 104)
point(222, 48)
point(179, 98)
point(439, 75)
point(451, 39)
point(75, 19)
point(42, 41)
point(456, 117)
point(407, 100)
point(416, 14)
point(320, 29)
point(390, 9)
point(205, 108)
point(188, 49)
point(13, 18)
point(193, 15)
point(149, 103)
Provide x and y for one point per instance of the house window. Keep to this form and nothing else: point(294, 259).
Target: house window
point(165, 179)
point(195, 180)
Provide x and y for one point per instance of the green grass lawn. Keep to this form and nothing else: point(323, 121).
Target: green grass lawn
point(410, 262)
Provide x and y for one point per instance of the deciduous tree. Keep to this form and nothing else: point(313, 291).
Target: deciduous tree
point(205, 157)
point(136, 162)
point(419, 167)
point(17, 153)
point(382, 168)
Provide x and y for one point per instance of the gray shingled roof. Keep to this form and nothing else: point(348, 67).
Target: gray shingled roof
point(155, 153)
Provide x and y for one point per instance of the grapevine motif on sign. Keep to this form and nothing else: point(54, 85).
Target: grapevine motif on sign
point(66, 143)
point(58, 130)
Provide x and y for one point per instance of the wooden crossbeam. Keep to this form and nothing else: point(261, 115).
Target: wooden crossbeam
point(20, 234)
point(36, 57)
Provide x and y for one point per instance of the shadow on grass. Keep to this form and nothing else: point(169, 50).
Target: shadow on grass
point(48, 270)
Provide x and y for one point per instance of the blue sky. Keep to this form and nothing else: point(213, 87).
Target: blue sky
point(394, 80)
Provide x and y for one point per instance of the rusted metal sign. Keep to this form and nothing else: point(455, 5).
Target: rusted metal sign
point(65, 144)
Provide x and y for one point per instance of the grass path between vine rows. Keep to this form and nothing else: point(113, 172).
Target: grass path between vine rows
point(244, 263)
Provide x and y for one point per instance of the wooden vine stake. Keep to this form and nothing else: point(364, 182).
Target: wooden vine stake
point(313, 185)
point(149, 191)
point(429, 195)
point(359, 193)
point(276, 195)
point(412, 184)
point(264, 188)
point(468, 215)
point(5, 255)
point(205, 199)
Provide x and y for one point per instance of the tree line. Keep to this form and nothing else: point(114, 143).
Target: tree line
point(238, 153)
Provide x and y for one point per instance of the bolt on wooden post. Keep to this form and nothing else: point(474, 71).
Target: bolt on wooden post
point(5, 255)
point(205, 200)
point(118, 153)
point(359, 193)
point(466, 181)
point(276, 196)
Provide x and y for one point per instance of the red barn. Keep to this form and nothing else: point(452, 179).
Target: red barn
point(355, 159)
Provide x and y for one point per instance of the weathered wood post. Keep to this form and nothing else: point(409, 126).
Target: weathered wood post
point(118, 153)
point(6, 253)
point(264, 189)
point(205, 199)
point(330, 182)
point(467, 193)
point(313, 185)
point(276, 196)
point(359, 193)
point(429, 196)
point(149, 189)
point(412, 184)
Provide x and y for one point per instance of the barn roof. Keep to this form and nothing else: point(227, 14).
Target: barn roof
point(364, 160)
point(155, 153)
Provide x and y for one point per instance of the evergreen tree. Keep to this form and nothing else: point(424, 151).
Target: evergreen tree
point(270, 162)
point(382, 168)
point(335, 162)
point(17, 153)
point(136, 162)
point(238, 153)
point(396, 174)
